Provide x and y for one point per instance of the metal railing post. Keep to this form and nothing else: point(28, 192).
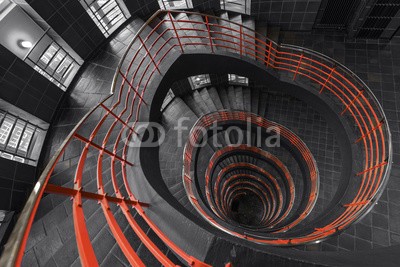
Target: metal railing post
point(298, 66)
point(269, 53)
point(209, 35)
point(241, 40)
point(327, 79)
point(176, 32)
point(148, 52)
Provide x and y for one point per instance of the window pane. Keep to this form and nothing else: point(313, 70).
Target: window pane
point(20, 140)
point(63, 66)
point(54, 64)
point(233, 78)
point(49, 54)
point(15, 136)
point(171, 4)
point(56, 60)
point(105, 13)
point(239, 6)
point(25, 141)
point(5, 130)
point(199, 80)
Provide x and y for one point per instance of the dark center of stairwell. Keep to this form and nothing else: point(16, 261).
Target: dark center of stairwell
point(247, 209)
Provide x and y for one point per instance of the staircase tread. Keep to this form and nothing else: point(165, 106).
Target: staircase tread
point(188, 99)
point(208, 100)
point(200, 102)
point(224, 98)
point(239, 97)
point(247, 99)
point(213, 93)
point(232, 97)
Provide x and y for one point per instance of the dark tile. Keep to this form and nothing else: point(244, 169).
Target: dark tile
point(380, 237)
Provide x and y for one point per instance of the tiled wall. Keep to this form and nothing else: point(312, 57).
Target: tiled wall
point(295, 15)
point(204, 5)
point(378, 64)
point(71, 21)
point(142, 8)
point(22, 86)
point(16, 182)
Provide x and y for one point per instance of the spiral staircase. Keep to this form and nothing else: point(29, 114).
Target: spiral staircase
point(222, 196)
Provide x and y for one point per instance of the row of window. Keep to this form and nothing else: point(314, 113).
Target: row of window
point(107, 14)
point(19, 139)
point(239, 6)
point(202, 80)
point(59, 67)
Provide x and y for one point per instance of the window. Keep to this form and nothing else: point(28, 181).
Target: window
point(19, 139)
point(171, 4)
point(56, 65)
point(236, 79)
point(107, 14)
point(199, 81)
point(238, 6)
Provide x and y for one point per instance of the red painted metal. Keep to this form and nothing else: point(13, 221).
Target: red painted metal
point(136, 76)
point(352, 102)
point(176, 32)
point(370, 131)
point(101, 148)
point(209, 34)
point(298, 66)
point(55, 189)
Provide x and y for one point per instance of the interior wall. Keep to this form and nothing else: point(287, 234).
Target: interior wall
point(71, 21)
point(22, 86)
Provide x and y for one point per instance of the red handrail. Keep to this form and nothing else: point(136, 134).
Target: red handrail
point(132, 78)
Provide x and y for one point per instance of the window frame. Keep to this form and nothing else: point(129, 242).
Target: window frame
point(162, 4)
point(199, 84)
point(232, 5)
point(235, 79)
point(100, 16)
point(14, 151)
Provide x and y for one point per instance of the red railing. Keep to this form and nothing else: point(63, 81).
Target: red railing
point(101, 131)
point(266, 156)
point(238, 117)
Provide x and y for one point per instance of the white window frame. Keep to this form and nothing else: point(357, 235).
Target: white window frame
point(238, 80)
point(175, 4)
point(199, 81)
point(18, 138)
point(238, 6)
point(103, 12)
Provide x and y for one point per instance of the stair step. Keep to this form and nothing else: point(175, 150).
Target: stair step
point(249, 36)
point(223, 95)
point(234, 48)
point(215, 98)
point(179, 25)
point(261, 44)
point(246, 99)
point(237, 19)
point(200, 102)
point(213, 21)
point(207, 99)
point(167, 34)
point(232, 97)
point(202, 27)
point(188, 99)
point(239, 98)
